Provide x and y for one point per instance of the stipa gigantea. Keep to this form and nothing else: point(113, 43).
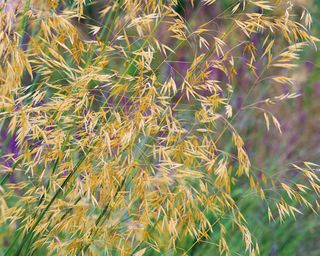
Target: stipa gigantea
point(117, 148)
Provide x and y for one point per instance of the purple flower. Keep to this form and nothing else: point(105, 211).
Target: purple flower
point(317, 88)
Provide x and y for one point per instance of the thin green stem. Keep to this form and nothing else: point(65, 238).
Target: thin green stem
point(58, 192)
point(24, 21)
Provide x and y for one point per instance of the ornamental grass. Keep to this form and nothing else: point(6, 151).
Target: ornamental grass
point(120, 129)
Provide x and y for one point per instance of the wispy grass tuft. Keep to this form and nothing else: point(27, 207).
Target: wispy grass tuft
point(122, 130)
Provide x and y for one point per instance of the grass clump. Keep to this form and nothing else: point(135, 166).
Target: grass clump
point(120, 124)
